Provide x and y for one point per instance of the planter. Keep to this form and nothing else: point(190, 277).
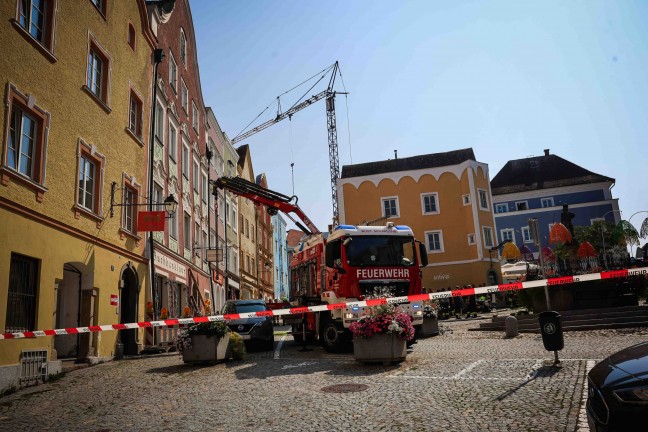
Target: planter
point(430, 327)
point(206, 349)
point(384, 348)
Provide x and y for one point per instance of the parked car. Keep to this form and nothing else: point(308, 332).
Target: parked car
point(256, 332)
point(617, 396)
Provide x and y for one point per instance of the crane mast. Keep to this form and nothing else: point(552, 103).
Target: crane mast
point(329, 95)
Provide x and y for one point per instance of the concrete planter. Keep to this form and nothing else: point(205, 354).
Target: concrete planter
point(384, 348)
point(430, 327)
point(206, 349)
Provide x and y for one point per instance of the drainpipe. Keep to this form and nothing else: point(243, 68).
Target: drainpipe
point(208, 155)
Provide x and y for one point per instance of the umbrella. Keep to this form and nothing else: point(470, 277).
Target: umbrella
point(586, 250)
point(644, 228)
point(510, 252)
point(548, 254)
point(526, 252)
point(559, 234)
point(624, 230)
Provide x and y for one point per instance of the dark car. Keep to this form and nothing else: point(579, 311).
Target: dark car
point(617, 394)
point(257, 332)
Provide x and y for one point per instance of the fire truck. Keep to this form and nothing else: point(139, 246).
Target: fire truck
point(350, 263)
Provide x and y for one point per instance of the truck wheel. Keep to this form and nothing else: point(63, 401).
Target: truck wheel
point(332, 340)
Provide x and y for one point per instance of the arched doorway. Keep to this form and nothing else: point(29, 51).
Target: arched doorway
point(129, 294)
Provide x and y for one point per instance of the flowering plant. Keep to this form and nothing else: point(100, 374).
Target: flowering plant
point(384, 319)
point(164, 313)
point(149, 308)
point(186, 312)
point(213, 328)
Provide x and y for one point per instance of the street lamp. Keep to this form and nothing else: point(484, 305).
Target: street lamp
point(603, 238)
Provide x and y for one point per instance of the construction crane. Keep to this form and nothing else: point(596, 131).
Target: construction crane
point(329, 95)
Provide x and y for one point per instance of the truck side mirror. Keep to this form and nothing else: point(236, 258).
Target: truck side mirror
point(423, 254)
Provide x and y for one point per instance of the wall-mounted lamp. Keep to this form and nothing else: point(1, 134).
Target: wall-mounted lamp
point(170, 203)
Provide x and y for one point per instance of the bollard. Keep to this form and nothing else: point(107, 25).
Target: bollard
point(511, 326)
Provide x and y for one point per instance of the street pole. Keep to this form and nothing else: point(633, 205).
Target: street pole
point(603, 240)
point(158, 55)
point(209, 155)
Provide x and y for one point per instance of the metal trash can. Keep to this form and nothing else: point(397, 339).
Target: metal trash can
point(551, 329)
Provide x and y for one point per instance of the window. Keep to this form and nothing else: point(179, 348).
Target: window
point(430, 203)
point(185, 161)
point(234, 265)
point(184, 96)
point(183, 47)
point(131, 36)
point(390, 206)
point(173, 141)
point(526, 235)
point(501, 208)
point(24, 154)
point(97, 76)
point(135, 115)
point(87, 187)
point(159, 123)
point(197, 239)
point(466, 199)
point(205, 192)
point(228, 211)
point(234, 218)
point(100, 5)
point(196, 176)
point(205, 246)
point(488, 237)
point(247, 263)
point(247, 229)
point(252, 230)
point(434, 241)
point(593, 221)
point(173, 74)
point(35, 20)
point(483, 199)
point(195, 119)
point(21, 299)
point(521, 205)
point(547, 202)
point(471, 239)
point(187, 231)
point(129, 216)
point(508, 234)
point(173, 226)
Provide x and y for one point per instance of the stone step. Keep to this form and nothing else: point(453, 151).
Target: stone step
point(565, 314)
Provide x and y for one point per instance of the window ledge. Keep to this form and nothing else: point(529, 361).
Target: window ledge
point(123, 232)
point(49, 55)
point(7, 173)
point(431, 213)
point(137, 139)
point(95, 98)
point(78, 211)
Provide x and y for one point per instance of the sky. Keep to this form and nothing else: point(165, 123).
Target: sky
point(507, 78)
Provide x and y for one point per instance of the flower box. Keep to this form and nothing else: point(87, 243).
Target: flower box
point(383, 348)
point(206, 349)
point(430, 326)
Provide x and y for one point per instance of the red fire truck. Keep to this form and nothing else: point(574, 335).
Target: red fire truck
point(351, 263)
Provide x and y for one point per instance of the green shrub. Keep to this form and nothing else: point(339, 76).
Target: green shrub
point(237, 346)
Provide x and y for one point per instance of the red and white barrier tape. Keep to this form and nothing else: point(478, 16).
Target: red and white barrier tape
point(326, 307)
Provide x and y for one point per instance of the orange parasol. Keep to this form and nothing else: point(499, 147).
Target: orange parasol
point(559, 234)
point(510, 252)
point(586, 250)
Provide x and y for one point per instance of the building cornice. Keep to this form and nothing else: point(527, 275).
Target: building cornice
point(543, 193)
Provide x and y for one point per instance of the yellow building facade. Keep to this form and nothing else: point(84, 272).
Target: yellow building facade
point(444, 197)
point(76, 80)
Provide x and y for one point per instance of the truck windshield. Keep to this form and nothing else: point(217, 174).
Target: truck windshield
point(377, 251)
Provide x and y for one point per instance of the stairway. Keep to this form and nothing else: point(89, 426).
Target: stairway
point(578, 320)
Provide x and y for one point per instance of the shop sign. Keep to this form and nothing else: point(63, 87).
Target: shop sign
point(114, 300)
point(168, 264)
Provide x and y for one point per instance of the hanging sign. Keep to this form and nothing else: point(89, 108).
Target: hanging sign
point(114, 300)
point(150, 221)
point(214, 255)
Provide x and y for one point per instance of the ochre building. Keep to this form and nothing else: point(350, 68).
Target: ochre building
point(444, 197)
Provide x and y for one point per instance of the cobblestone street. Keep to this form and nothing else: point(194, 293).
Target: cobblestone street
point(457, 381)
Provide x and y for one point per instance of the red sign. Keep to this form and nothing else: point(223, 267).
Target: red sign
point(114, 300)
point(150, 221)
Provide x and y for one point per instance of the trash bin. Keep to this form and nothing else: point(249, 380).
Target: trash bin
point(551, 329)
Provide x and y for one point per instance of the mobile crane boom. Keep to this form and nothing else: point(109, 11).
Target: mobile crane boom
point(260, 195)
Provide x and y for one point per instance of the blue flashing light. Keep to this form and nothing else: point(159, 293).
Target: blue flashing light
point(347, 227)
point(416, 305)
point(402, 228)
point(355, 308)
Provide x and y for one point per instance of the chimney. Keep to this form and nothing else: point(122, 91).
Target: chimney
point(546, 152)
point(395, 154)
